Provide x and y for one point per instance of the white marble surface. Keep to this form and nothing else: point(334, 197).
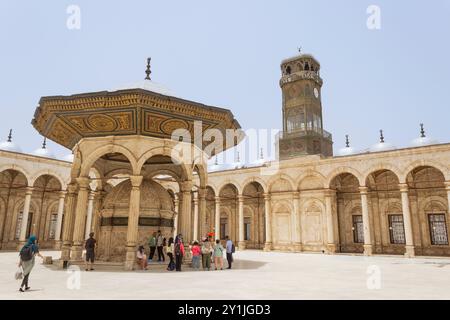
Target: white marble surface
point(258, 275)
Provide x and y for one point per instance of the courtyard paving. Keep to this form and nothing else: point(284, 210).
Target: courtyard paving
point(257, 275)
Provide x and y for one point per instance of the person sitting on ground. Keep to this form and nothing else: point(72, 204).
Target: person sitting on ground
point(196, 252)
point(141, 258)
point(218, 255)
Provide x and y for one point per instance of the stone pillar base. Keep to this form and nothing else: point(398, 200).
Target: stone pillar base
point(241, 245)
point(130, 258)
point(410, 252)
point(331, 248)
point(298, 247)
point(368, 250)
point(76, 253)
point(268, 246)
point(58, 245)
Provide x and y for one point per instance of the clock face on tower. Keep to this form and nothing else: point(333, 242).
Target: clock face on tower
point(316, 93)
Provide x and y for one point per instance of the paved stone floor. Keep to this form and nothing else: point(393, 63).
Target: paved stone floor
point(258, 275)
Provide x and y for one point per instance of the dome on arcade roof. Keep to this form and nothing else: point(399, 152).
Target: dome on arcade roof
point(9, 145)
point(44, 151)
point(423, 140)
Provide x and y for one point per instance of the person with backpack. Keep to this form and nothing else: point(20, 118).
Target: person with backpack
point(169, 251)
point(230, 250)
point(179, 252)
point(90, 245)
point(207, 250)
point(218, 255)
point(27, 254)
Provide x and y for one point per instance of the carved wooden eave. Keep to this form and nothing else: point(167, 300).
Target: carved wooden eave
point(68, 119)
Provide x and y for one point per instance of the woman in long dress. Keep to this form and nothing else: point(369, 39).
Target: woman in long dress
point(28, 265)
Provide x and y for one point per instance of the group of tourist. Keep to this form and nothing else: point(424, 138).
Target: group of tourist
point(207, 252)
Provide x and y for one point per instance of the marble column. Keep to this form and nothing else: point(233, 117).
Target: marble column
point(185, 215)
point(97, 218)
point(409, 245)
point(90, 210)
point(69, 219)
point(59, 219)
point(331, 243)
point(175, 218)
point(80, 218)
point(25, 214)
point(366, 221)
point(268, 224)
point(241, 242)
point(195, 231)
point(133, 221)
point(217, 219)
point(202, 208)
point(296, 223)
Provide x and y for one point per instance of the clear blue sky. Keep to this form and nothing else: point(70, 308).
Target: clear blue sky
point(227, 53)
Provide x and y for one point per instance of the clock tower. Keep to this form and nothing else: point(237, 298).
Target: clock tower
point(303, 132)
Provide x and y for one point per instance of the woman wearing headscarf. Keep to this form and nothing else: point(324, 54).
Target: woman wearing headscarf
point(27, 254)
point(179, 252)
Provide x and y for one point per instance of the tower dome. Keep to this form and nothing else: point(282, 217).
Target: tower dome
point(9, 145)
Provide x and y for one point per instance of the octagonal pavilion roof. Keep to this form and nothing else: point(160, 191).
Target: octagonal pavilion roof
point(138, 110)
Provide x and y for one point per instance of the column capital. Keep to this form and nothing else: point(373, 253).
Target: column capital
point(195, 197)
point(83, 182)
point(136, 181)
point(72, 188)
point(447, 185)
point(91, 195)
point(240, 198)
point(296, 194)
point(217, 199)
point(266, 196)
point(62, 194)
point(403, 187)
point(29, 191)
point(186, 186)
point(363, 190)
point(331, 192)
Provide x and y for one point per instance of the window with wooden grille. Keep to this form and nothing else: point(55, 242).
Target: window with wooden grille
point(358, 229)
point(396, 229)
point(438, 229)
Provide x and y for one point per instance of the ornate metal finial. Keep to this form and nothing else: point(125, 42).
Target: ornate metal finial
point(422, 131)
point(299, 49)
point(148, 71)
point(44, 144)
point(10, 135)
point(261, 154)
point(347, 142)
point(381, 136)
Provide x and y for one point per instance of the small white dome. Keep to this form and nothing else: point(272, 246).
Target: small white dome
point(423, 141)
point(346, 151)
point(149, 86)
point(68, 157)
point(10, 146)
point(381, 146)
point(44, 152)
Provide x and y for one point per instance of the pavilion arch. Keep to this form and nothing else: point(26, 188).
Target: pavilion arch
point(381, 167)
point(310, 173)
point(338, 171)
point(19, 169)
point(278, 178)
point(258, 180)
point(165, 152)
point(425, 163)
point(90, 160)
point(50, 173)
